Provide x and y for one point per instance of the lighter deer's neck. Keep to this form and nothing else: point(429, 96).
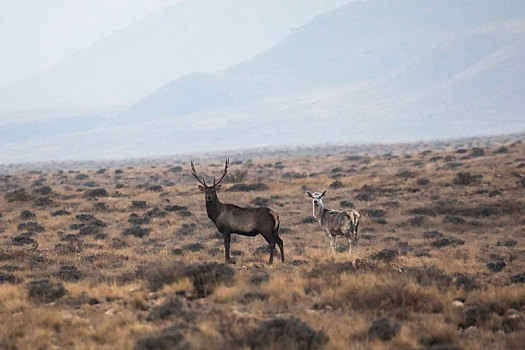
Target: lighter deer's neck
point(318, 210)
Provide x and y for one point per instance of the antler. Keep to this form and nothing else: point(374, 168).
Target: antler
point(224, 173)
point(194, 173)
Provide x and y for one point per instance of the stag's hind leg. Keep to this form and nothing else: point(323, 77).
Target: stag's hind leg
point(280, 244)
point(271, 242)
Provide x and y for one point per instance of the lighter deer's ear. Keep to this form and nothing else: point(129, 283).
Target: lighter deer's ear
point(309, 194)
point(322, 194)
point(201, 188)
point(218, 187)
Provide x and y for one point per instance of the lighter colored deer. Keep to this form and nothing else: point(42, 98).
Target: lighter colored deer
point(335, 222)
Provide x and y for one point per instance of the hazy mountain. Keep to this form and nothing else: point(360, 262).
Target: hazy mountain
point(360, 42)
point(188, 36)
point(35, 34)
point(376, 70)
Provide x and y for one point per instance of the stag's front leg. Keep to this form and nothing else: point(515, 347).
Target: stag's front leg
point(227, 240)
point(349, 246)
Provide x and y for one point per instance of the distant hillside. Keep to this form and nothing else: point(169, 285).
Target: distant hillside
point(371, 71)
point(417, 42)
point(189, 36)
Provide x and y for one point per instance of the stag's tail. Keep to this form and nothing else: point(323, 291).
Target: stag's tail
point(276, 221)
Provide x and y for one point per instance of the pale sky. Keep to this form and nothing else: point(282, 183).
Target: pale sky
point(35, 34)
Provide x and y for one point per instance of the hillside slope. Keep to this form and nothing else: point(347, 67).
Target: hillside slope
point(189, 36)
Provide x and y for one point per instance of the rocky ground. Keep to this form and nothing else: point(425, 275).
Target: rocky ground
point(127, 258)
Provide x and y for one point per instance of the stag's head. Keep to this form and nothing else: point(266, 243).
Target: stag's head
point(316, 197)
point(210, 192)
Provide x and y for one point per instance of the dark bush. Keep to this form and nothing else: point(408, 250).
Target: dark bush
point(61, 212)
point(417, 221)
point(66, 248)
point(30, 226)
point(387, 254)
point(19, 195)
point(512, 322)
point(253, 296)
point(494, 193)
point(117, 243)
point(156, 213)
point(172, 307)
point(85, 217)
point(96, 192)
point(336, 184)
point(477, 152)
point(134, 219)
point(346, 204)
point(293, 175)
point(193, 247)
point(474, 316)
point(89, 230)
point(68, 273)
point(173, 208)
point(26, 215)
point(260, 202)
point(175, 169)
point(22, 239)
point(507, 243)
point(443, 242)
point(43, 201)
point(383, 329)
point(204, 276)
point(43, 191)
point(374, 213)
point(466, 179)
point(451, 219)
point(187, 229)
point(430, 276)
point(45, 290)
point(496, 266)
point(422, 211)
point(468, 283)
point(166, 340)
point(247, 188)
point(7, 278)
point(100, 207)
point(432, 234)
point(423, 181)
point(259, 277)
point(309, 220)
point(138, 204)
point(406, 174)
point(136, 231)
point(291, 333)
point(519, 278)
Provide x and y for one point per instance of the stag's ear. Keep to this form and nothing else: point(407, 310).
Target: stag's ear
point(309, 194)
point(218, 187)
point(201, 188)
point(322, 194)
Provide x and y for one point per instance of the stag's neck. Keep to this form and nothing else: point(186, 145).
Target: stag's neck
point(214, 208)
point(318, 211)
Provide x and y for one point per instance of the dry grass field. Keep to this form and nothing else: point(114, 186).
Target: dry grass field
point(127, 258)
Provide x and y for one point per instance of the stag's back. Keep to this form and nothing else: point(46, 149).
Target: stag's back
point(248, 220)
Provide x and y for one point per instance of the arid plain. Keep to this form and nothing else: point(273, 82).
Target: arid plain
point(125, 257)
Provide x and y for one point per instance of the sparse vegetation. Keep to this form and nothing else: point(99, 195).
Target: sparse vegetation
point(440, 261)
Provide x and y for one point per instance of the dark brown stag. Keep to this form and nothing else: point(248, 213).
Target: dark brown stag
point(230, 218)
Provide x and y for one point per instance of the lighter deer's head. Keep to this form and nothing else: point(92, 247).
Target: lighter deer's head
point(210, 192)
point(316, 197)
